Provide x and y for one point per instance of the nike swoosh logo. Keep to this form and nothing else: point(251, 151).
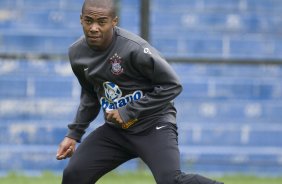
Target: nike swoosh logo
point(160, 127)
point(85, 69)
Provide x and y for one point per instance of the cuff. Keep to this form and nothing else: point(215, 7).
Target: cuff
point(74, 135)
point(123, 114)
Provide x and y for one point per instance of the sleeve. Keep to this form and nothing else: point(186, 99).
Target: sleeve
point(88, 109)
point(165, 84)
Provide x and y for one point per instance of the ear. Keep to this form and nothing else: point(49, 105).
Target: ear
point(115, 21)
point(80, 18)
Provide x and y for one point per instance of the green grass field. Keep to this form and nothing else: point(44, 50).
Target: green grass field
point(130, 178)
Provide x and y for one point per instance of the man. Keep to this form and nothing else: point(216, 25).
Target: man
point(124, 76)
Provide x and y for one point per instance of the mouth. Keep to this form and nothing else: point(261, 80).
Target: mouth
point(94, 38)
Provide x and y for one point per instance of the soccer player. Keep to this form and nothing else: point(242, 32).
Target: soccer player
point(123, 75)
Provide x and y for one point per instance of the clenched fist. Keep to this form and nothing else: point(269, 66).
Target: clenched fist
point(113, 116)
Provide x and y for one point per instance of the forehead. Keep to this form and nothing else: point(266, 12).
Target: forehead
point(96, 12)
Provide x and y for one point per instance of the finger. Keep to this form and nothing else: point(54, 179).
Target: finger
point(66, 154)
point(60, 156)
point(118, 120)
point(69, 154)
point(109, 116)
point(60, 151)
point(62, 148)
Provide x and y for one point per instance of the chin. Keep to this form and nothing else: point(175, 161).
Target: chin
point(93, 44)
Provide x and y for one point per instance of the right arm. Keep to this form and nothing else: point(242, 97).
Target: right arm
point(89, 106)
point(87, 111)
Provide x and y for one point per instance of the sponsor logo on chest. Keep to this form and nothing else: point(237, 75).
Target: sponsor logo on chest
point(113, 97)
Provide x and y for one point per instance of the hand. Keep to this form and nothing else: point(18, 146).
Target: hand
point(113, 116)
point(66, 148)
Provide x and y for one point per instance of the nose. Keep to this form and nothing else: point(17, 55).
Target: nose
point(94, 28)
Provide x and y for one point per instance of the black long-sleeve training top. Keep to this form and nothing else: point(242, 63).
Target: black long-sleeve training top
point(131, 76)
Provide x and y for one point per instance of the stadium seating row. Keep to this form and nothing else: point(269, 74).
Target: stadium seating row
point(252, 160)
point(199, 81)
point(195, 46)
point(248, 160)
point(50, 132)
point(36, 43)
point(50, 4)
point(210, 92)
point(33, 159)
point(217, 5)
point(201, 111)
point(233, 29)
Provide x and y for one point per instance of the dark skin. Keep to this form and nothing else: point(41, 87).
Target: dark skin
point(97, 24)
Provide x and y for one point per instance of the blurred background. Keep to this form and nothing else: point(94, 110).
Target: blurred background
point(228, 54)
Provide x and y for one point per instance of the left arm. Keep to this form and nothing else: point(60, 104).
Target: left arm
point(165, 83)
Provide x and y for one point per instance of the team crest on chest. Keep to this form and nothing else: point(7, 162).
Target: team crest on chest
point(115, 60)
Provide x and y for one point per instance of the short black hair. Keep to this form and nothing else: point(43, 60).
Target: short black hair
point(108, 4)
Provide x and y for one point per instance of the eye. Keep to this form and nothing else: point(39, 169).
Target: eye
point(88, 21)
point(102, 22)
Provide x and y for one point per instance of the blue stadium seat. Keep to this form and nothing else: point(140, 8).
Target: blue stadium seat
point(29, 158)
point(221, 5)
point(172, 6)
point(53, 87)
point(129, 17)
point(231, 158)
point(266, 137)
point(40, 44)
point(11, 87)
point(39, 132)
